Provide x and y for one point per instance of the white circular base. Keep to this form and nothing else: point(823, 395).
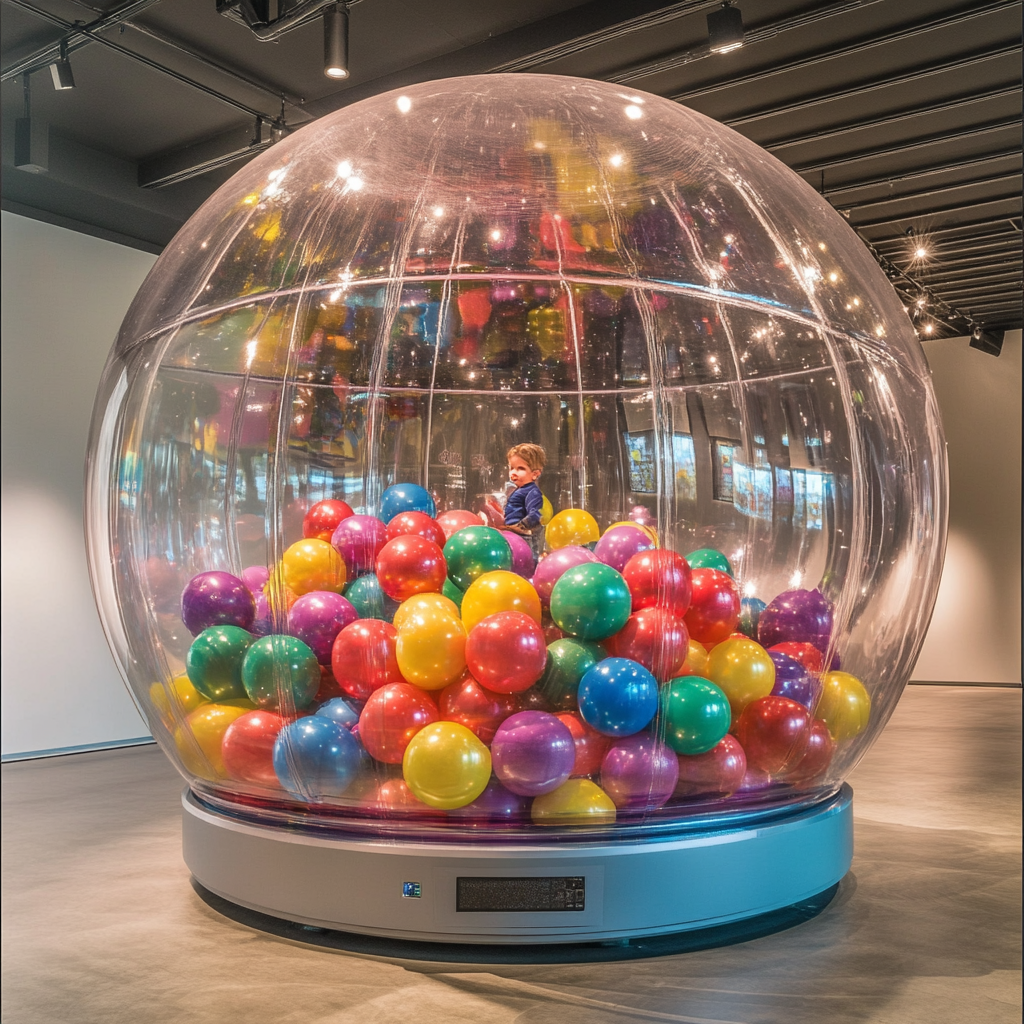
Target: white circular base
point(510, 893)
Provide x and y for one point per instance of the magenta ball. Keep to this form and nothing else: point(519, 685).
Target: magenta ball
point(550, 568)
point(620, 544)
point(317, 618)
point(640, 514)
point(523, 562)
point(496, 805)
point(358, 539)
point(263, 624)
point(796, 616)
point(532, 753)
point(639, 773)
point(255, 578)
point(216, 599)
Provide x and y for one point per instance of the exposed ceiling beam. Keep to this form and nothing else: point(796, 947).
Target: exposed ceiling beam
point(190, 161)
point(1007, 239)
point(935, 266)
point(1008, 220)
point(934, 211)
point(954, 275)
point(937, 191)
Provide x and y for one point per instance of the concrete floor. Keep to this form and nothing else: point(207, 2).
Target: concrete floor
point(101, 924)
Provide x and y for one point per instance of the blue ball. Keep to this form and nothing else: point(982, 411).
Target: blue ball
point(315, 758)
point(340, 711)
point(405, 498)
point(618, 697)
point(750, 615)
point(792, 680)
point(369, 600)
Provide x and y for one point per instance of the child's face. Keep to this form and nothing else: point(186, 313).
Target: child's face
point(520, 473)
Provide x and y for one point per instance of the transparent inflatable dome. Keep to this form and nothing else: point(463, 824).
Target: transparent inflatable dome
point(334, 606)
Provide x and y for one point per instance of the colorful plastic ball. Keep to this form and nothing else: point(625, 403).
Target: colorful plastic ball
point(506, 652)
point(339, 710)
point(391, 717)
point(773, 732)
point(446, 766)
point(552, 566)
point(176, 699)
point(499, 591)
point(322, 519)
point(807, 654)
point(410, 565)
point(546, 510)
point(214, 662)
point(280, 672)
point(658, 579)
point(399, 498)
point(796, 616)
point(743, 670)
point(709, 558)
point(844, 705)
point(568, 660)
point(415, 524)
point(457, 519)
point(420, 603)
point(394, 798)
point(329, 688)
point(619, 544)
point(216, 599)
point(264, 624)
point(523, 561)
point(696, 663)
point(575, 802)
point(317, 618)
point(715, 774)
point(358, 539)
point(431, 649)
point(255, 577)
point(639, 773)
point(480, 710)
point(591, 745)
point(364, 657)
point(750, 614)
point(247, 749)
point(199, 739)
point(590, 601)
point(618, 697)
point(655, 638)
point(312, 565)
point(792, 680)
point(474, 551)
point(573, 526)
point(316, 759)
point(369, 600)
point(714, 606)
point(496, 805)
point(453, 593)
point(695, 715)
point(533, 753)
point(812, 767)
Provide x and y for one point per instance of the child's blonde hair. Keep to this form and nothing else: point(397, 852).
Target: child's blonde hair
point(531, 454)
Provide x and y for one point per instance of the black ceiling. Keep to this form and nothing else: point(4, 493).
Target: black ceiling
point(905, 114)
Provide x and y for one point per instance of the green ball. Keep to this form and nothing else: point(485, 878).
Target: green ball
point(369, 600)
point(214, 662)
point(568, 661)
point(695, 714)
point(280, 673)
point(453, 593)
point(473, 551)
point(590, 601)
point(709, 558)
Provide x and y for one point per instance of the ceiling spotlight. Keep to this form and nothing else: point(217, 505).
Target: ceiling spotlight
point(725, 29)
point(990, 341)
point(60, 71)
point(918, 249)
point(336, 41)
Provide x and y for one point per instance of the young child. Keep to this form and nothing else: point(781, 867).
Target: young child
point(522, 510)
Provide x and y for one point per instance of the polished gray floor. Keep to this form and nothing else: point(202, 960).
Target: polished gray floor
point(101, 924)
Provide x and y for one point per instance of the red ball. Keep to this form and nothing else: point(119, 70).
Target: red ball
point(480, 710)
point(394, 797)
point(506, 652)
point(774, 733)
point(457, 519)
point(807, 654)
point(410, 565)
point(363, 657)
point(248, 747)
point(591, 745)
point(659, 579)
point(329, 688)
point(714, 606)
point(714, 774)
point(655, 638)
point(417, 524)
point(391, 717)
point(817, 757)
point(322, 519)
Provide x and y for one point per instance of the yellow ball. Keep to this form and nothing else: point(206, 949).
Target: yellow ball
point(696, 663)
point(844, 705)
point(421, 603)
point(576, 802)
point(446, 766)
point(571, 526)
point(743, 670)
point(176, 699)
point(207, 725)
point(649, 530)
point(499, 591)
point(546, 510)
point(431, 649)
point(313, 564)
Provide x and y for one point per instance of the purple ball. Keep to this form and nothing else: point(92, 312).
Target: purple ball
point(639, 773)
point(639, 514)
point(532, 753)
point(255, 578)
point(792, 680)
point(796, 616)
point(551, 567)
point(358, 539)
point(523, 562)
point(620, 544)
point(317, 618)
point(263, 624)
point(496, 805)
point(216, 599)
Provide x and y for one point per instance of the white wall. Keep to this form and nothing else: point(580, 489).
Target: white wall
point(63, 297)
point(975, 632)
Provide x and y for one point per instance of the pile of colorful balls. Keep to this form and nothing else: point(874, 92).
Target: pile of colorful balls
point(425, 665)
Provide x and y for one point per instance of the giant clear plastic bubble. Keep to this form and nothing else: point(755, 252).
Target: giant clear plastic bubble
point(373, 312)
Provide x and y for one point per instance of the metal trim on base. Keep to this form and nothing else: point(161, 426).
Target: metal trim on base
point(633, 889)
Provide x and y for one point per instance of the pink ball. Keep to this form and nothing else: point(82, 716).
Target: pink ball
point(639, 773)
point(620, 544)
point(550, 568)
point(523, 562)
point(358, 539)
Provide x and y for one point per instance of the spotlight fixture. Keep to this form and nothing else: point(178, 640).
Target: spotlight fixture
point(60, 71)
point(918, 249)
point(990, 342)
point(725, 29)
point(31, 137)
point(336, 41)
